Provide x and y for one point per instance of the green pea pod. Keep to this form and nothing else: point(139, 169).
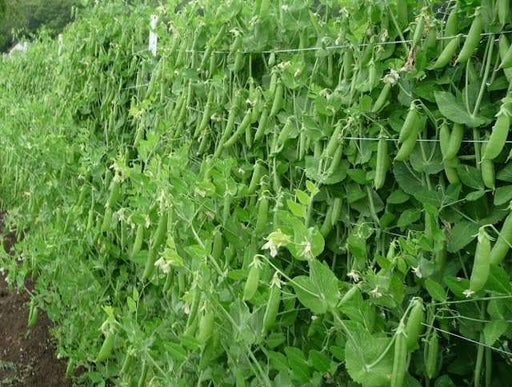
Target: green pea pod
point(452, 23)
point(399, 358)
point(261, 220)
point(106, 348)
point(278, 100)
point(503, 11)
point(218, 244)
point(447, 54)
point(336, 211)
point(262, 125)
point(498, 137)
point(410, 123)
point(246, 121)
point(488, 175)
point(272, 308)
point(259, 171)
point(481, 264)
point(472, 40)
point(407, 147)
point(503, 49)
point(348, 63)
point(382, 98)
point(107, 220)
point(205, 329)
point(418, 31)
point(414, 325)
point(158, 239)
point(455, 142)
point(139, 236)
point(253, 279)
point(450, 170)
point(431, 354)
point(444, 138)
point(382, 163)
point(502, 246)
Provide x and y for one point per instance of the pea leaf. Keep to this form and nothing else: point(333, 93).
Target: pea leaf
point(363, 350)
point(493, 330)
point(503, 195)
point(461, 235)
point(455, 111)
point(435, 290)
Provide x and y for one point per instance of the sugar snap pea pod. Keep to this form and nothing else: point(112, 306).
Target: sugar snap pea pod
point(382, 98)
point(259, 171)
point(410, 123)
point(488, 176)
point(418, 31)
point(503, 10)
point(159, 238)
point(472, 39)
point(262, 125)
point(450, 170)
point(447, 54)
point(407, 147)
point(444, 138)
point(399, 358)
point(382, 163)
point(106, 347)
point(336, 211)
point(246, 121)
point(414, 324)
point(139, 236)
point(253, 279)
point(455, 142)
point(277, 104)
point(452, 23)
point(431, 354)
point(261, 220)
point(503, 242)
point(498, 137)
point(503, 49)
point(481, 264)
point(272, 307)
point(326, 227)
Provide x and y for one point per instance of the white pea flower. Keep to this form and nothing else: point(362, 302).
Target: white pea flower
point(354, 276)
point(468, 293)
point(275, 240)
point(376, 292)
point(163, 265)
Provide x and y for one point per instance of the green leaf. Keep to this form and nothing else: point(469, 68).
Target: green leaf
point(325, 282)
point(470, 176)
point(475, 195)
point(503, 195)
point(455, 111)
point(493, 331)
point(435, 290)
point(457, 285)
point(505, 174)
point(498, 281)
point(364, 350)
point(277, 361)
point(461, 235)
point(296, 209)
point(302, 196)
point(408, 217)
point(306, 292)
point(319, 361)
point(398, 197)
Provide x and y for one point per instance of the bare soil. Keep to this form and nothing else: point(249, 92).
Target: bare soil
point(27, 356)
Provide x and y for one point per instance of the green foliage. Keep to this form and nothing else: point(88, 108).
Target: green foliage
point(24, 17)
point(104, 144)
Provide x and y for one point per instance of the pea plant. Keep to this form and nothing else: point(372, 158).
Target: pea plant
point(289, 192)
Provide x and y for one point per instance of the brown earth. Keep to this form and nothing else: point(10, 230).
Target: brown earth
point(27, 356)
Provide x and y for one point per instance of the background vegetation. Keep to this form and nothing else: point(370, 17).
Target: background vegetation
point(21, 18)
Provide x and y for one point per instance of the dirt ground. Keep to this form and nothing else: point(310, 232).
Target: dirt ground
point(27, 357)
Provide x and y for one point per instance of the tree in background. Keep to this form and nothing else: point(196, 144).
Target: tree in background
point(20, 18)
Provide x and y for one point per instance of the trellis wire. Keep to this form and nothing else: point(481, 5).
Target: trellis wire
point(470, 340)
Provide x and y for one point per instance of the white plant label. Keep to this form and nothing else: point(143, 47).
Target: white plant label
point(153, 37)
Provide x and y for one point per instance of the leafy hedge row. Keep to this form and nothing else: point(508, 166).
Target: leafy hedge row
point(290, 193)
